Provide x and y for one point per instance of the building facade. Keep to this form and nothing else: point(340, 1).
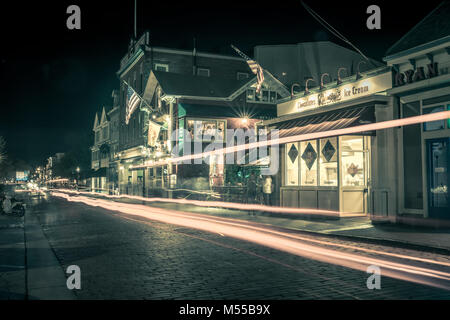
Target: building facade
point(104, 151)
point(160, 108)
point(421, 85)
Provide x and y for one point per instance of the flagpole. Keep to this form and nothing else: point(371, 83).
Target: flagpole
point(135, 5)
point(243, 55)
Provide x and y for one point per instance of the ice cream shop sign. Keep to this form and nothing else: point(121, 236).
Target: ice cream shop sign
point(345, 92)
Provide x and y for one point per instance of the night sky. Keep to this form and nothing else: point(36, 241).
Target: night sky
point(53, 80)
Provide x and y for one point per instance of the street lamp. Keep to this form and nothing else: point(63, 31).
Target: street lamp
point(78, 176)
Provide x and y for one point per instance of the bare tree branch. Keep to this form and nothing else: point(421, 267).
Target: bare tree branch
point(2, 149)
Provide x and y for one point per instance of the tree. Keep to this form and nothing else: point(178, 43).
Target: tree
point(2, 150)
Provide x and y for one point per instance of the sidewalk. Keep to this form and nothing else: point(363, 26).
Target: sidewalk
point(12, 259)
point(29, 269)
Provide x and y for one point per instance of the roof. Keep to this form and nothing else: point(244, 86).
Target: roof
point(435, 26)
point(190, 85)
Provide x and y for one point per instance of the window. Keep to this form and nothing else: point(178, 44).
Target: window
point(412, 158)
point(251, 95)
point(352, 168)
point(161, 67)
point(242, 75)
point(266, 96)
point(206, 130)
point(203, 72)
point(328, 162)
point(434, 125)
point(105, 133)
point(308, 163)
point(292, 164)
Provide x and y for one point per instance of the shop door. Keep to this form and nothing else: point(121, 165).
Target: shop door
point(438, 179)
point(354, 171)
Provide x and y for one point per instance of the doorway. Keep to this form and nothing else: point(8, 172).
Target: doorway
point(354, 158)
point(438, 155)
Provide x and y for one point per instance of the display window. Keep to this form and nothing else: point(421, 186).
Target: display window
point(308, 163)
point(434, 125)
point(328, 162)
point(292, 163)
point(206, 130)
point(352, 158)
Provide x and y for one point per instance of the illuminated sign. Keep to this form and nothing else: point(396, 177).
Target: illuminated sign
point(22, 175)
point(345, 92)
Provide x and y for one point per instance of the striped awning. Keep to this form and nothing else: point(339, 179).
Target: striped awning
point(328, 121)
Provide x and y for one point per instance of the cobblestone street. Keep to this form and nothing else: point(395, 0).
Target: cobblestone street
point(126, 257)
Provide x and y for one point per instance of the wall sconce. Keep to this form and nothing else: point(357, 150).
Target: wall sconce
point(321, 80)
point(306, 85)
point(292, 89)
point(339, 80)
point(358, 74)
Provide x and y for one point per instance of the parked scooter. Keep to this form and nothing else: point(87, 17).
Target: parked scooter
point(11, 206)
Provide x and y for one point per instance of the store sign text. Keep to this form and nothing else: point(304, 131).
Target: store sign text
point(331, 96)
point(410, 76)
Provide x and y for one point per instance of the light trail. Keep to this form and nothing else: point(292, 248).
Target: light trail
point(266, 237)
point(241, 206)
point(308, 136)
point(218, 204)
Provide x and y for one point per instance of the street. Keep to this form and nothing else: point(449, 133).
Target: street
point(125, 256)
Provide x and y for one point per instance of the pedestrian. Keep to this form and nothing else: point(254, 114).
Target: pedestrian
point(267, 190)
point(251, 188)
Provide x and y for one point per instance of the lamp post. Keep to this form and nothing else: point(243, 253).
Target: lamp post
point(78, 176)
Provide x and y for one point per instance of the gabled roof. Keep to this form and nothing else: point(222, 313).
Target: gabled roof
point(96, 123)
point(435, 26)
point(186, 85)
point(190, 85)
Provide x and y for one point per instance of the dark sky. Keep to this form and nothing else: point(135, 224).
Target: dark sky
point(53, 80)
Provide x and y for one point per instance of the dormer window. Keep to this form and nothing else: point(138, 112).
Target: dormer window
point(204, 72)
point(161, 67)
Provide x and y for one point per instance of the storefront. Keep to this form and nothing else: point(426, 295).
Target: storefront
point(424, 161)
point(333, 173)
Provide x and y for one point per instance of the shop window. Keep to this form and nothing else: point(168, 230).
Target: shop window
point(216, 170)
point(412, 158)
point(433, 125)
point(206, 130)
point(328, 162)
point(352, 161)
point(448, 120)
point(292, 164)
point(308, 163)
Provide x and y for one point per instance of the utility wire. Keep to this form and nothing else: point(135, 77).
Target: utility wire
point(331, 29)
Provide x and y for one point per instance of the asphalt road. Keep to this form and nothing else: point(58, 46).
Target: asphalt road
point(125, 256)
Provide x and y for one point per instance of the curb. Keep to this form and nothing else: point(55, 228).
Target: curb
point(370, 240)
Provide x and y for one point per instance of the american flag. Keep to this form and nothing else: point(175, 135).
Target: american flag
point(133, 100)
point(255, 67)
